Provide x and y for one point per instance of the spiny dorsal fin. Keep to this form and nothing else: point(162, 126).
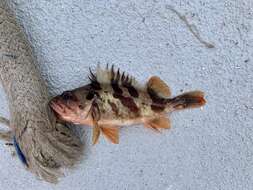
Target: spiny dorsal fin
point(108, 75)
point(159, 87)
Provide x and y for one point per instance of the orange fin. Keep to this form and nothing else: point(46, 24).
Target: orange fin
point(158, 123)
point(111, 133)
point(159, 87)
point(95, 134)
point(193, 99)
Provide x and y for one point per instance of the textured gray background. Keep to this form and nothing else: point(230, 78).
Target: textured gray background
point(206, 149)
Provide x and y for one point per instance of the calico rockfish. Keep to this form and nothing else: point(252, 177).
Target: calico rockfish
point(114, 99)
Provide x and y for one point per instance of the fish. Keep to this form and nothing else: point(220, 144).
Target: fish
point(114, 99)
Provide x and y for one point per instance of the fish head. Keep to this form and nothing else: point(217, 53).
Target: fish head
point(70, 107)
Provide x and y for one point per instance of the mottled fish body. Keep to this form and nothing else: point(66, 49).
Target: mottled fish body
point(114, 99)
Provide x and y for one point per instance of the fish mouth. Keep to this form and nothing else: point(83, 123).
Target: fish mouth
point(57, 106)
point(64, 109)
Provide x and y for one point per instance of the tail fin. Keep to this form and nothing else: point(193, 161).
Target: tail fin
point(193, 99)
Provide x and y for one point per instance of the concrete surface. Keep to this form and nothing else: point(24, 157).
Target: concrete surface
point(206, 149)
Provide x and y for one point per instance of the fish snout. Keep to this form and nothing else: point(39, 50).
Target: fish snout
point(65, 105)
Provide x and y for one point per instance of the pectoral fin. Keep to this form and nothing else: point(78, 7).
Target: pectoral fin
point(95, 134)
point(158, 123)
point(111, 133)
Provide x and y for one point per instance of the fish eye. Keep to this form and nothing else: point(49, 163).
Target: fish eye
point(67, 95)
point(81, 107)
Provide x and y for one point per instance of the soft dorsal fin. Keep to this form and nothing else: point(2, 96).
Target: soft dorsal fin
point(108, 75)
point(159, 87)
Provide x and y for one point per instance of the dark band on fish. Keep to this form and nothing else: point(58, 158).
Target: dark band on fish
point(116, 88)
point(125, 80)
point(127, 102)
point(91, 94)
point(115, 77)
point(155, 97)
point(96, 85)
point(159, 103)
point(114, 107)
point(157, 108)
point(127, 83)
point(132, 91)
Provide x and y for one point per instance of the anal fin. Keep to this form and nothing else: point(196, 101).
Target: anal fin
point(158, 123)
point(111, 133)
